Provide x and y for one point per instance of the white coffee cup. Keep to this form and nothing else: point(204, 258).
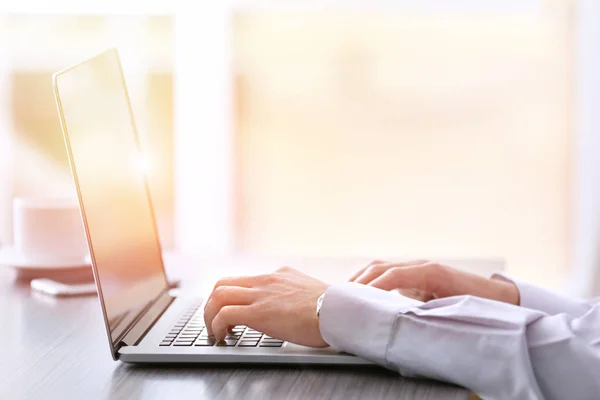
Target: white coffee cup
point(49, 229)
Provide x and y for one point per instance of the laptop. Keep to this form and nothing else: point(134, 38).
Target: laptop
point(145, 321)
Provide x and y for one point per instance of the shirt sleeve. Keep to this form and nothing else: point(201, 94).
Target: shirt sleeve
point(495, 349)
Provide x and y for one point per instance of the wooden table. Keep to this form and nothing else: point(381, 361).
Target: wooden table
point(56, 348)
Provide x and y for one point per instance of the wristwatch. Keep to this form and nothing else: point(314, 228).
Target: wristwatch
point(320, 304)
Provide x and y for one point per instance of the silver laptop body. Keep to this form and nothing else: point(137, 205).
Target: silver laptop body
point(145, 322)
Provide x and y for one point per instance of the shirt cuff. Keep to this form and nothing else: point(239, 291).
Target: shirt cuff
point(358, 319)
point(551, 303)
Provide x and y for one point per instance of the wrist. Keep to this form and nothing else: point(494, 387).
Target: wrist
point(506, 291)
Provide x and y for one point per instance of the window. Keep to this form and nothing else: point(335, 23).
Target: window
point(33, 155)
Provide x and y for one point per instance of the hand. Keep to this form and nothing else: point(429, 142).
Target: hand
point(282, 305)
point(424, 280)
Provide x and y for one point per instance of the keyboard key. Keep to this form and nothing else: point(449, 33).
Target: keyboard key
point(205, 342)
point(271, 344)
point(165, 343)
point(183, 343)
point(233, 336)
point(248, 343)
point(227, 342)
point(270, 339)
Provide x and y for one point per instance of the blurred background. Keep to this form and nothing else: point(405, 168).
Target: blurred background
point(381, 129)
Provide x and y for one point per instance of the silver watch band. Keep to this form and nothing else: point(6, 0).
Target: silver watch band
point(320, 304)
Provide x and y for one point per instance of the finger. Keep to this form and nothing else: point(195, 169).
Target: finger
point(360, 271)
point(372, 272)
point(230, 316)
point(224, 296)
point(240, 281)
point(423, 277)
point(375, 271)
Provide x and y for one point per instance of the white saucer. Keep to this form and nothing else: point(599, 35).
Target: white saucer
point(10, 257)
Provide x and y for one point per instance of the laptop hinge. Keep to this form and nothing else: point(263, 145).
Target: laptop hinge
point(146, 321)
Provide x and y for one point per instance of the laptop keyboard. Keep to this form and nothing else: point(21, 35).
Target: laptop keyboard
point(189, 330)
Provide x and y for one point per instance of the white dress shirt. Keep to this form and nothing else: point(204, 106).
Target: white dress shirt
point(548, 348)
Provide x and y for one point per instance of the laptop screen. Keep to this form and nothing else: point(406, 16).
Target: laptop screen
point(115, 203)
